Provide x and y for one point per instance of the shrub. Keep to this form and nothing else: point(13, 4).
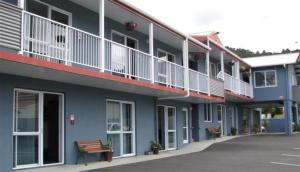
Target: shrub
point(233, 131)
point(297, 127)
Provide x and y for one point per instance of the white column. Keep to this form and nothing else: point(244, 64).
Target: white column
point(222, 65)
point(237, 70)
point(102, 34)
point(237, 119)
point(207, 70)
point(21, 4)
point(151, 51)
point(251, 82)
point(185, 50)
point(251, 126)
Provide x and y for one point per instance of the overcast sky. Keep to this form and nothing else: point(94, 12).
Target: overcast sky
point(253, 24)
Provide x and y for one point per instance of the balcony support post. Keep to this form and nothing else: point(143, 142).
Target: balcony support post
point(185, 50)
point(21, 4)
point(237, 70)
point(207, 70)
point(222, 65)
point(151, 52)
point(102, 34)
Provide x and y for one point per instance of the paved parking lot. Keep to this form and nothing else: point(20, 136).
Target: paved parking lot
point(266, 153)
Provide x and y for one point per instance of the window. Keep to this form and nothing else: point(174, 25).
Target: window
point(266, 78)
point(207, 113)
point(166, 55)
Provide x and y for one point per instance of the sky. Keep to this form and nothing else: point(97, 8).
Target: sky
point(270, 25)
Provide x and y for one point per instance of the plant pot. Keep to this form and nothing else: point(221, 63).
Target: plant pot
point(109, 156)
point(155, 151)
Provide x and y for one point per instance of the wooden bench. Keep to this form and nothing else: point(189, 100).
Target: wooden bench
point(86, 147)
point(214, 132)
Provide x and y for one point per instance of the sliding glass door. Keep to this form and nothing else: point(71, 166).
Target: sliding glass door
point(121, 127)
point(38, 130)
point(166, 127)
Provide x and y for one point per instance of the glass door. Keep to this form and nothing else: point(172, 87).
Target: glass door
point(185, 127)
point(121, 127)
point(166, 121)
point(220, 118)
point(27, 134)
point(38, 129)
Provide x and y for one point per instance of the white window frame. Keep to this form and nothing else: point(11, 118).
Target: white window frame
point(186, 112)
point(167, 53)
point(121, 129)
point(215, 69)
point(125, 38)
point(208, 105)
point(41, 126)
point(265, 78)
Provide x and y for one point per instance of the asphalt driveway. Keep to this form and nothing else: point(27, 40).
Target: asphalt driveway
point(267, 153)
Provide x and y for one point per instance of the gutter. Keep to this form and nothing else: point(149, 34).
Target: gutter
point(175, 97)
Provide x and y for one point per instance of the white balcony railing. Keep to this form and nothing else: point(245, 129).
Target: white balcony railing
point(52, 41)
point(198, 81)
point(168, 73)
point(127, 61)
point(237, 86)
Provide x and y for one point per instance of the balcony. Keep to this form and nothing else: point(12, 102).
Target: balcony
point(69, 48)
point(237, 86)
point(55, 42)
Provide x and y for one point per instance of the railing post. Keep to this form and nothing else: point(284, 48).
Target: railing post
point(238, 76)
point(102, 34)
point(67, 46)
point(151, 52)
point(207, 70)
point(21, 4)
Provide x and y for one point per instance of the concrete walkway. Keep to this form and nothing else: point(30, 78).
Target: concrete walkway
point(191, 148)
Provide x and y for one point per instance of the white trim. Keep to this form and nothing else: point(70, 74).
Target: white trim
point(221, 122)
point(51, 7)
point(210, 112)
point(265, 78)
point(121, 132)
point(125, 38)
point(167, 131)
point(167, 53)
point(186, 113)
point(40, 133)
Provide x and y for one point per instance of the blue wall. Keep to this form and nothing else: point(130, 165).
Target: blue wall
point(271, 93)
point(275, 125)
point(88, 106)
point(199, 125)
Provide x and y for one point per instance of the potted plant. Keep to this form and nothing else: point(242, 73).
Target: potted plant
point(108, 146)
point(233, 131)
point(155, 147)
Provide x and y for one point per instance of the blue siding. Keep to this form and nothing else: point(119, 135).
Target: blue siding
point(90, 115)
point(275, 125)
point(200, 125)
point(271, 93)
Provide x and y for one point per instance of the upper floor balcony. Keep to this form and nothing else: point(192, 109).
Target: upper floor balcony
point(113, 38)
point(228, 67)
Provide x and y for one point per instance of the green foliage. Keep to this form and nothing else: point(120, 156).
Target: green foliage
point(233, 131)
point(108, 145)
point(273, 110)
point(155, 145)
point(248, 53)
point(297, 127)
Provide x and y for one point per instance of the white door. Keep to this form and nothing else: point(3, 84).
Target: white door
point(185, 127)
point(121, 127)
point(166, 120)
point(38, 129)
